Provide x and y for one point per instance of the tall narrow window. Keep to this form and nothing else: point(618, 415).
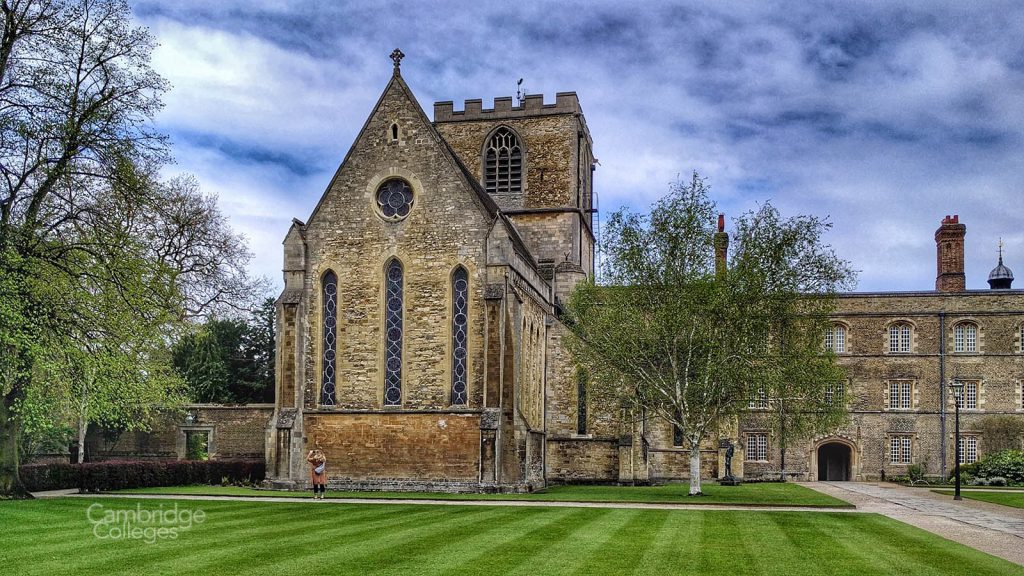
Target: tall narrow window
point(581, 401)
point(393, 334)
point(329, 295)
point(899, 338)
point(460, 334)
point(834, 393)
point(677, 432)
point(965, 337)
point(503, 163)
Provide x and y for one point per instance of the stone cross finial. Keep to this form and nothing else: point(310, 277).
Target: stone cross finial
point(397, 56)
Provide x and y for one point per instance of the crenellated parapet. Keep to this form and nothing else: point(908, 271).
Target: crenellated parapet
point(533, 105)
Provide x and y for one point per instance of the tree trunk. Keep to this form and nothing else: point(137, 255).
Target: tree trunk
point(10, 482)
point(695, 471)
point(83, 427)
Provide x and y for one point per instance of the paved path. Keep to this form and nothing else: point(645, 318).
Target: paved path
point(544, 503)
point(991, 528)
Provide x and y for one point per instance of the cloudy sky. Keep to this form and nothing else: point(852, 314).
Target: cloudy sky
point(885, 118)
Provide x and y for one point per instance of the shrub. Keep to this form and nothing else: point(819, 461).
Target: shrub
point(997, 481)
point(979, 482)
point(1007, 464)
point(119, 474)
point(915, 472)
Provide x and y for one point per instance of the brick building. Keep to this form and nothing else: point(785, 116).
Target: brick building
point(419, 344)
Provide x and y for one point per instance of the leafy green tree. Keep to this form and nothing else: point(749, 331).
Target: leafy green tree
point(100, 261)
point(230, 360)
point(679, 340)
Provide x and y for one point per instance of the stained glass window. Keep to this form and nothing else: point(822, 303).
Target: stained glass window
point(503, 163)
point(394, 199)
point(393, 334)
point(460, 334)
point(581, 401)
point(329, 293)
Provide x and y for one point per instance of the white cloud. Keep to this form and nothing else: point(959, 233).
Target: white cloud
point(886, 117)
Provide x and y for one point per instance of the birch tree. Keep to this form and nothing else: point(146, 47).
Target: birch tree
point(681, 341)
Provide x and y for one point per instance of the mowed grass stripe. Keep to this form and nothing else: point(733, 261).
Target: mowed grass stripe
point(306, 525)
point(820, 547)
point(619, 542)
point(256, 538)
point(363, 551)
point(438, 550)
point(212, 538)
point(326, 545)
point(544, 527)
point(463, 556)
point(668, 542)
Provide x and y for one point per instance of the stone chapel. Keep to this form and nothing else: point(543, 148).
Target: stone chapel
point(418, 340)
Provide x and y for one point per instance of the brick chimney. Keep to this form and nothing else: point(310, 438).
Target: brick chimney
point(949, 249)
point(721, 248)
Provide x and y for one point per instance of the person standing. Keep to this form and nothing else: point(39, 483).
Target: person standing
point(317, 472)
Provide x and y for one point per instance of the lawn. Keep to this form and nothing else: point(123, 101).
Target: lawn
point(760, 494)
point(1014, 499)
point(55, 536)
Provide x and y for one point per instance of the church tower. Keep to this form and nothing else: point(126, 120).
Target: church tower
point(536, 160)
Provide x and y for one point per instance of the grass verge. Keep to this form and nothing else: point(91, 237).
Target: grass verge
point(1013, 499)
point(759, 494)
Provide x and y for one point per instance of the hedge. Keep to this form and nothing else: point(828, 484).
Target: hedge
point(119, 474)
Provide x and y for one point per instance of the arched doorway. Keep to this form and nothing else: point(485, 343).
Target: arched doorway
point(834, 460)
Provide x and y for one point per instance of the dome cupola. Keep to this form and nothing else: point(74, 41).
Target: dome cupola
point(1000, 277)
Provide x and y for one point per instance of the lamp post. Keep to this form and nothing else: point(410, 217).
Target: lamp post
point(958, 388)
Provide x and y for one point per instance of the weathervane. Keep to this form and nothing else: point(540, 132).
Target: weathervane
point(1000, 250)
point(396, 57)
point(520, 92)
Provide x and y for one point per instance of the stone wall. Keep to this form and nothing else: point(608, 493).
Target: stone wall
point(583, 459)
point(234, 432)
point(439, 447)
